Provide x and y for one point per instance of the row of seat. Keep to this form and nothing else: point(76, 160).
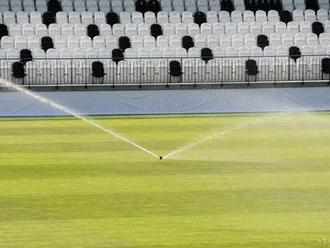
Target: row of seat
point(167, 29)
point(270, 52)
point(166, 5)
point(164, 71)
point(164, 17)
point(162, 42)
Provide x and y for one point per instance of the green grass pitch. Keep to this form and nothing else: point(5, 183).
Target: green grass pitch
point(264, 184)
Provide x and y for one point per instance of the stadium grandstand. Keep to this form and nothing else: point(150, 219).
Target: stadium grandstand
point(162, 42)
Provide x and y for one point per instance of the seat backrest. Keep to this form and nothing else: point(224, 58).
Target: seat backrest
point(251, 67)
point(326, 65)
point(124, 43)
point(187, 42)
point(25, 55)
point(206, 54)
point(93, 30)
point(156, 30)
point(175, 68)
point(97, 69)
point(117, 55)
point(18, 70)
point(112, 18)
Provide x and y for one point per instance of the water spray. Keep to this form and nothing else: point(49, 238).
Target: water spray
point(71, 112)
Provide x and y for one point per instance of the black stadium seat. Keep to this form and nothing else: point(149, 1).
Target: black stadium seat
point(141, 6)
point(262, 41)
point(18, 70)
point(294, 53)
point(25, 55)
point(286, 16)
point(54, 6)
point(112, 18)
point(154, 6)
point(250, 5)
point(97, 69)
point(93, 30)
point(46, 43)
point(3, 30)
point(117, 55)
point(156, 30)
point(48, 18)
point(124, 43)
point(262, 5)
point(187, 42)
point(175, 68)
point(275, 5)
point(251, 67)
point(326, 65)
point(206, 54)
point(312, 4)
point(227, 5)
point(317, 28)
point(199, 18)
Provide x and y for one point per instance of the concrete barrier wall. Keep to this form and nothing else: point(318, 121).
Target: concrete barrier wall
point(169, 101)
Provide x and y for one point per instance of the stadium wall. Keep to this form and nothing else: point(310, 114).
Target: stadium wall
point(170, 101)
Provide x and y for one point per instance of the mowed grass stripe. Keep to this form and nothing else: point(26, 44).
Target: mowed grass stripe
point(175, 183)
point(138, 204)
point(263, 186)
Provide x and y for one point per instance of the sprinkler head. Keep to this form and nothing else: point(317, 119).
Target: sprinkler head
point(160, 157)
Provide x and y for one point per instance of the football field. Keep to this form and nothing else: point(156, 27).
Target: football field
point(227, 181)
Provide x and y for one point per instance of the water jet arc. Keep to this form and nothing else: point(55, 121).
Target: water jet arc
point(71, 112)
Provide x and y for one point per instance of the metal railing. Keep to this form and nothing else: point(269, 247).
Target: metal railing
point(156, 71)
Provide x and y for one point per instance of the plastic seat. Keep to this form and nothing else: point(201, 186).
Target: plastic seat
point(87, 18)
point(248, 16)
point(310, 15)
point(224, 16)
point(206, 29)
point(218, 29)
point(112, 18)
point(105, 29)
point(33, 42)
point(156, 30)
point(162, 17)
point(261, 16)
point(243, 28)
point(255, 28)
point(149, 42)
point(200, 41)
point(236, 16)
point(35, 17)
point(85, 42)
point(162, 41)
point(199, 18)
point(47, 43)
point(15, 30)
point(20, 42)
point(305, 27)
point(22, 17)
point(174, 17)
point(74, 17)
point(60, 42)
point(231, 28)
point(99, 18)
point(273, 16)
point(212, 16)
point(237, 40)
point(181, 29)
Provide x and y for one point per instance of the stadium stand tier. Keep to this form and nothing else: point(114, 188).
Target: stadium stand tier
point(123, 42)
